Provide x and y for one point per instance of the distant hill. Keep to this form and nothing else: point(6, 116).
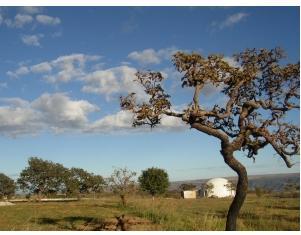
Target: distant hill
point(275, 182)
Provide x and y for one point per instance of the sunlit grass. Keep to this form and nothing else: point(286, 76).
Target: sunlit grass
point(206, 214)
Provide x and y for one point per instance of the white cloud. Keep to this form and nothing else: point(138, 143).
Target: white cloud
point(41, 68)
point(17, 118)
point(150, 56)
point(31, 9)
point(55, 112)
point(231, 62)
point(23, 70)
point(122, 122)
point(1, 19)
point(32, 40)
point(48, 20)
point(61, 113)
point(231, 20)
point(113, 81)
point(58, 113)
point(19, 21)
point(61, 69)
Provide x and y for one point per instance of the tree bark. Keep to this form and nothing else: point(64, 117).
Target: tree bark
point(123, 200)
point(241, 188)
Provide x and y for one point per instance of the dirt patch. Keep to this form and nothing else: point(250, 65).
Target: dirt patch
point(6, 204)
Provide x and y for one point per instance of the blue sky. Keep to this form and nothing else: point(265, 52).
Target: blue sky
point(62, 70)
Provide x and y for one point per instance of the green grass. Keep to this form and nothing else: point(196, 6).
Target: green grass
point(207, 214)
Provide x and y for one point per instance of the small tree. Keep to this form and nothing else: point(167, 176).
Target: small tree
point(259, 191)
point(122, 183)
point(231, 187)
point(42, 177)
point(184, 187)
point(154, 181)
point(7, 186)
point(258, 92)
point(79, 181)
point(207, 188)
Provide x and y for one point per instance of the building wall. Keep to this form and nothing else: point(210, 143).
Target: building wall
point(219, 189)
point(189, 194)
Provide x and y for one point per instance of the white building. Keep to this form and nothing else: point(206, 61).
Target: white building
point(189, 194)
point(217, 187)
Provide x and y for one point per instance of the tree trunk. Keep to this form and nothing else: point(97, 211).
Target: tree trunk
point(123, 200)
point(241, 188)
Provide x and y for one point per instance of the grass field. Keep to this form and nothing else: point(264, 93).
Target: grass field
point(265, 213)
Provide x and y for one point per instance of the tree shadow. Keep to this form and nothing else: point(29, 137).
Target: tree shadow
point(78, 223)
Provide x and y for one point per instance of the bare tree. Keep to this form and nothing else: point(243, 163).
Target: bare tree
point(207, 189)
point(122, 183)
point(231, 187)
point(259, 94)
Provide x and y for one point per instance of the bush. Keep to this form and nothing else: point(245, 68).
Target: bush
point(258, 191)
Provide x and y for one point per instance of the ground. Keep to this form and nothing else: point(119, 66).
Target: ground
point(258, 213)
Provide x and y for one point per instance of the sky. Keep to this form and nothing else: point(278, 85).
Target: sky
point(63, 69)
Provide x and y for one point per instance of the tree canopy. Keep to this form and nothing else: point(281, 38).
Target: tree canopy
point(81, 181)
point(154, 180)
point(185, 187)
point(42, 176)
point(46, 177)
point(7, 186)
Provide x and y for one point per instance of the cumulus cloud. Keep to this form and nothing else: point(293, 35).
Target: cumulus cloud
point(113, 81)
point(23, 70)
point(62, 69)
point(55, 112)
point(17, 118)
point(28, 15)
point(151, 56)
point(19, 21)
point(58, 113)
point(48, 20)
point(122, 122)
point(61, 113)
point(41, 68)
point(32, 40)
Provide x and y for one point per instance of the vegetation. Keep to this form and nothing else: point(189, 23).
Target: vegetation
point(184, 187)
point(231, 186)
point(44, 178)
point(259, 92)
point(7, 186)
point(122, 183)
point(258, 191)
point(79, 181)
point(207, 188)
point(154, 181)
point(142, 213)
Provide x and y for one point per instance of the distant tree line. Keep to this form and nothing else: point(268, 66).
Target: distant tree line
point(44, 178)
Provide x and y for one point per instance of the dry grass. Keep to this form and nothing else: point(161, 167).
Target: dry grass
point(265, 213)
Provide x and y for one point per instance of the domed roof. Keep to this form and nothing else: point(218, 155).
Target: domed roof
point(218, 181)
point(220, 188)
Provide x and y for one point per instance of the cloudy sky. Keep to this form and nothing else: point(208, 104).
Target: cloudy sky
point(62, 70)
